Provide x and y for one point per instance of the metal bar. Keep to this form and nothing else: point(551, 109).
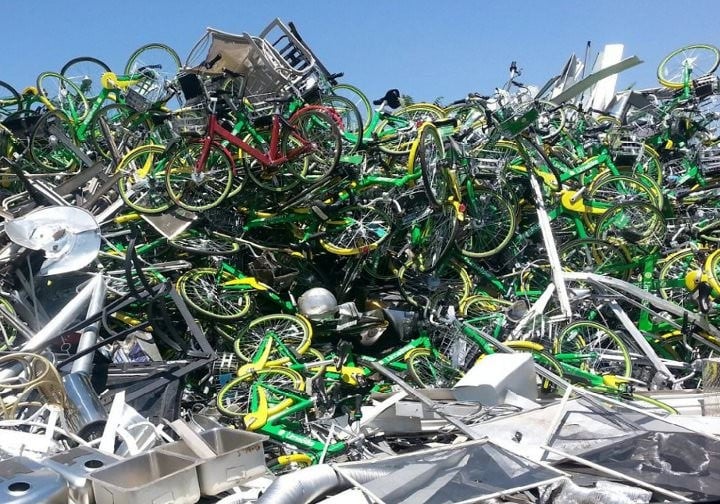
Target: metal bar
point(463, 427)
point(640, 340)
point(644, 295)
point(617, 474)
point(550, 248)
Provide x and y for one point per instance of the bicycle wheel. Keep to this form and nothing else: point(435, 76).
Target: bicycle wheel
point(657, 403)
point(204, 290)
point(322, 131)
point(63, 94)
point(85, 72)
point(358, 99)
point(278, 178)
point(354, 230)
point(431, 157)
point(713, 270)
point(396, 134)
point(429, 369)
point(127, 128)
point(614, 189)
point(490, 221)
point(697, 59)
point(158, 64)
point(633, 224)
point(350, 121)
point(550, 121)
point(198, 190)
point(595, 256)
point(205, 243)
point(47, 149)
point(448, 284)
point(671, 281)
point(288, 333)
point(433, 237)
point(239, 397)
point(142, 184)
point(642, 162)
point(594, 348)
point(10, 100)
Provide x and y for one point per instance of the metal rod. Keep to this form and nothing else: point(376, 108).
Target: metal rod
point(89, 336)
point(463, 427)
point(617, 474)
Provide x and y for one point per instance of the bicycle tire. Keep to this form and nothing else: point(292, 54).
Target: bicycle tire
point(125, 125)
point(358, 99)
point(85, 72)
point(205, 243)
point(551, 120)
point(654, 402)
point(633, 224)
point(448, 283)
point(202, 290)
point(595, 256)
point(234, 398)
point(153, 88)
point(398, 143)
point(628, 188)
point(429, 369)
point(589, 337)
point(322, 131)
point(671, 280)
point(354, 230)
point(142, 185)
point(351, 123)
point(293, 331)
point(63, 95)
point(712, 270)
point(10, 100)
point(431, 157)
point(203, 190)
point(45, 148)
point(670, 73)
point(434, 238)
point(489, 224)
point(276, 179)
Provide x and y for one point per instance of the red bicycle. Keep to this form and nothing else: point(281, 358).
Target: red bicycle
point(277, 153)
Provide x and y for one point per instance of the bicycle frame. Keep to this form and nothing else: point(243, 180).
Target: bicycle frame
point(272, 158)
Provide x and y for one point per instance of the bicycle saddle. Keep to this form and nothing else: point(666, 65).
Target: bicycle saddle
point(391, 99)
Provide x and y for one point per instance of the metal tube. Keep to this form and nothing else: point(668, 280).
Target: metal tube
point(88, 338)
point(63, 318)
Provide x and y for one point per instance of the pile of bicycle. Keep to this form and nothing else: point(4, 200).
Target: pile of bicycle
point(323, 245)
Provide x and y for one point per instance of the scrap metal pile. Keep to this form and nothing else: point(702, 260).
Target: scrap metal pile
point(236, 279)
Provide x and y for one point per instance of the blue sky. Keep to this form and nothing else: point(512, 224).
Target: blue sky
point(427, 49)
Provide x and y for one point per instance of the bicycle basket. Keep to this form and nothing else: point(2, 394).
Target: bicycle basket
point(513, 121)
point(136, 101)
point(190, 120)
point(489, 162)
point(455, 346)
point(709, 161)
point(629, 147)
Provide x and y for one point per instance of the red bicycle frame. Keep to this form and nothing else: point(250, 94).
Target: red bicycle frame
point(273, 157)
